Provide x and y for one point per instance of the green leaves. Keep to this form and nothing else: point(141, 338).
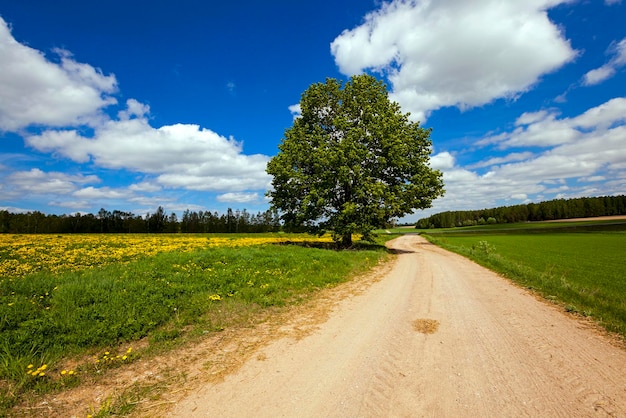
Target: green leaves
point(352, 161)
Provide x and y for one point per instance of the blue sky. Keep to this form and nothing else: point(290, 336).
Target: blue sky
point(133, 105)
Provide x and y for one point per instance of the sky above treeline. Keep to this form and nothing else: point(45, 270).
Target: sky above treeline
point(131, 105)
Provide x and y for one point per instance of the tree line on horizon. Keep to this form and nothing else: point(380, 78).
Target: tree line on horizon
point(583, 207)
point(233, 221)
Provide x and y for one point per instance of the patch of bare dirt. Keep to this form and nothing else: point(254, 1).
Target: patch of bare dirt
point(426, 326)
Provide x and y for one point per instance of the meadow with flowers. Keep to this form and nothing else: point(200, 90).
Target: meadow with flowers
point(79, 296)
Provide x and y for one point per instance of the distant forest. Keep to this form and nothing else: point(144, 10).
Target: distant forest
point(124, 222)
point(241, 221)
point(583, 207)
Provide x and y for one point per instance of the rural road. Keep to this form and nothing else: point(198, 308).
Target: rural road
point(438, 336)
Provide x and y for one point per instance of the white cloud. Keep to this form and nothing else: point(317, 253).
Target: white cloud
point(295, 110)
point(14, 209)
point(101, 193)
point(72, 204)
point(442, 161)
point(36, 91)
point(133, 109)
point(591, 161)
point(455, 53)
point(617, 50)
point(598, 75)
point(238, 197)
point(181, 156)
point(62, 96)
point(531, 117)
point(604, 115)
point(145, 186)
point(152, 202)
point(545, 129)
point(516, 156)
point(36, 181)
point(592, 179)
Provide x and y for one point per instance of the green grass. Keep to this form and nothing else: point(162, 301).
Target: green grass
point(534, 227)
point(583, 271)
point(46, 318)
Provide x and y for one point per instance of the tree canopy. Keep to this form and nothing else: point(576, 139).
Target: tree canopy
point(351, 162)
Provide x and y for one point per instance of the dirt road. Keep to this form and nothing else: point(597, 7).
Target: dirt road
point(438, 336)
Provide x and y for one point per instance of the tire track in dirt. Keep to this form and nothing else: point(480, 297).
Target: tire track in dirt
point(378, 397)
point(497, 351)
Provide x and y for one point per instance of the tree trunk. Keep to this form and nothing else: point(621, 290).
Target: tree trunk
point(346, 241)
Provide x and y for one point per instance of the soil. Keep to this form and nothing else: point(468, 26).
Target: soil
point(429, 334)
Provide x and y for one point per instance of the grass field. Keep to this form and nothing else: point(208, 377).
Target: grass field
point(571, 264)
point(73, 296)
point(584, 225)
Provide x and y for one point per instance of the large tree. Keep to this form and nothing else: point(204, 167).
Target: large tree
point(351, 162)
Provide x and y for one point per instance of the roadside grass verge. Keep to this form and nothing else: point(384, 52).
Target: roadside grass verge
point(49, 317)
point(582, 271)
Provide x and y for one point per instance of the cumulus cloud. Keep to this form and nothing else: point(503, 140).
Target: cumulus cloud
point(36, 181)
point(295, 110)
point(545, 129)
point(180, 156)
point(238, 197)
point(145, 186)
point(593, 153)
point(60, 97)
point(455, 53)
point(72, 204)
point(617, 52)
point(37, 91)
point(442, 161)
point(516, 156)
point(94, 193)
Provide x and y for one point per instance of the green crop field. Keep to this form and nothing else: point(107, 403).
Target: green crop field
point(585, 271)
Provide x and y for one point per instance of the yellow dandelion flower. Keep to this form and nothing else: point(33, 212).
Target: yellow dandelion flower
point(42, 374)
point(30, 366)
point(124, 357)
point(64, 372)
point(71, 372)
